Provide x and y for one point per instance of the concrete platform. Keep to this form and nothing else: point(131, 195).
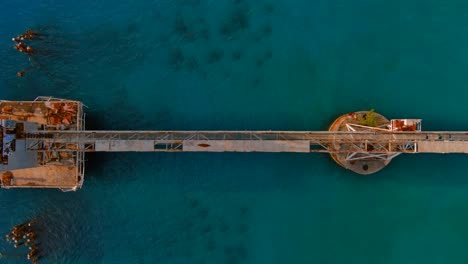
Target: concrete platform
point(124, 145)
point(443, 147)
point(49, 176)
point(247, 146)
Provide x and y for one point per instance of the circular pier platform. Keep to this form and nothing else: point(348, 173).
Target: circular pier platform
point(362, 166)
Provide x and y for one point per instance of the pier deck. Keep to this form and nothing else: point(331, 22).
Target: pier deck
point(48, 176)
point(43, 142)
point(20, 168)
point(251, 141)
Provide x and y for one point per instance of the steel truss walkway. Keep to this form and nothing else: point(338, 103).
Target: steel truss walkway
point(372, 142)
point(54, 130)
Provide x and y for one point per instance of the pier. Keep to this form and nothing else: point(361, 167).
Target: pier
point(44, 142)
point(249, 141)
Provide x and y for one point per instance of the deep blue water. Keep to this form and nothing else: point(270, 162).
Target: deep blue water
point(237, 64)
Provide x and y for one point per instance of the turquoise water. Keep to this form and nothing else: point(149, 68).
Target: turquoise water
point(273, 64)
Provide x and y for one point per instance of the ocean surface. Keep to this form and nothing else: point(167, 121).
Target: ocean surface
point(246, 65)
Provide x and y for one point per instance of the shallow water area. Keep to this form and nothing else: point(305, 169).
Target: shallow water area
point(246, 65)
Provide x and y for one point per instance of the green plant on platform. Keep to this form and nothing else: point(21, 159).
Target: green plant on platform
point(368, 119)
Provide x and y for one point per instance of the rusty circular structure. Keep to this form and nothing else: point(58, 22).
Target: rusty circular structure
point(362, 166)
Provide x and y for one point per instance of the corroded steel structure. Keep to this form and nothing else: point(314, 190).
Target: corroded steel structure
point(44, 141)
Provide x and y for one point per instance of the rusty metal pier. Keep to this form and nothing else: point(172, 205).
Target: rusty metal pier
point(44, 141)
point(250, 141)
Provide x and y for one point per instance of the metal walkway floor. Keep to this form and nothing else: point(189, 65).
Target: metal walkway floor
point(251, 141)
